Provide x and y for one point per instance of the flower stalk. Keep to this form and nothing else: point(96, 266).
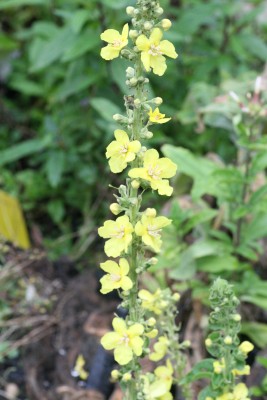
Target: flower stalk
point(138, 232)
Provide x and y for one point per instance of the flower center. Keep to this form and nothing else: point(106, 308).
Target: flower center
point(119, 232)
point(154, 172)
point(152, 231)
point(123, 149)
point(117, 43)
point(125, 339)
point(115, 277)
point(154, 50)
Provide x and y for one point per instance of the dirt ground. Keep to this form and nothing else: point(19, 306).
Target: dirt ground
point(62, 317)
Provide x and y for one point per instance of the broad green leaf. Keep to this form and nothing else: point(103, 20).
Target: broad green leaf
point(5, 4)
point(56, 210)
point(185, 268)
point(202, 369)
point(78, 19)
point(256, 229)
point(81, 45)
point(257, 332)
point(255, 45)
point(199, 218)
point(73, 86)
point(44, 53)
point(215, 264)
point(105, 108)
point(27, 87)
point(6, 43)
point(20, 150)
point(55, 166)
point(257, 300)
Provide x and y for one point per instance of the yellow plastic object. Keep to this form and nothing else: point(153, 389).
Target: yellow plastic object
point(12, 223)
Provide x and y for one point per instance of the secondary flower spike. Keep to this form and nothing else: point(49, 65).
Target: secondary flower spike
point(125, 341)
point(153, 51)
point(155, 170)
point(121, 151)
point(116, 277)
point(116, 42)
point(119, 233)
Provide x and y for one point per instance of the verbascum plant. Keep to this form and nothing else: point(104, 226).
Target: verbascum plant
point(136, 232)
point(223, 344)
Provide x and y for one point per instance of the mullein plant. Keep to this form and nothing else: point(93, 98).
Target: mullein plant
point(136, 232)
point(229, 362)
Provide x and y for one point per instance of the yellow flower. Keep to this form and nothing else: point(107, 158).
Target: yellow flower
point(116, 278)
point(79, 367)
point(156, 117)
point(246, 347)
point(116, 42)
point(153, 51)
point(121, 151)
point(165, 374)
point(219, 366)
point(244, 371)
point(125, 341)
point(155, 170)
point(160, 349)
point(152, 302)
point(120, 234)
point(156, 390)
point(240, 392)
point(149, 228)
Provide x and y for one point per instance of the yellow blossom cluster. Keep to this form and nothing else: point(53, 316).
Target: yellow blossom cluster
point(240, 392)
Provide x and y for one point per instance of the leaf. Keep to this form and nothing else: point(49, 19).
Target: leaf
point(257, 332)
point(6, 43)
point(203, 369)
point(5, 4)
point(256, 229)
point(45, 52)
point(54, 167)
point(255, 45)
point(118, 4)
point(199, 218)
point(81, 45)
point(73, 86)
point(215, 264)
point(257, 300)
point(20, 150)
point(186, 267)
point(78, 19)
point(105, 108)
point(56, 210)
point(26, 87)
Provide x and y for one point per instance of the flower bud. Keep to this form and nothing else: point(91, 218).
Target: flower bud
point(236, 317)
point(151, 321)
point(149, 135)
point(228, 340)
point(176, 296)
point(186, 344)
point(153, 261)
point(133, 34)
point(158, 101)
point(136, 11)
point(130, 72)
point(133, 81)
point(130, 10)
point(208, 342)
point(151, 212)
point(115, 374)
point(126, 377)
point(166, 24)
point(159, 11)
point(246, 347)
point(115, 208)
point(152, 334)
point(135, 184)
point(148, 25)
point(137, 102)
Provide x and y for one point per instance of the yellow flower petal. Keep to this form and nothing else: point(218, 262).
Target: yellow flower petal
point(110, 35)
point(156, 36)
point(125, 33)
point(124, 265)
point(119, 325)
point(145, 58)
point(123, 354)
point(137, 345)
point(150, 157)
point(158, 63)
point(136, 330)
point(168, 49)
point(121, 136)
point(126, 283)
point(109, 52)
point(110, 340)
point(163, 187)
point(167, 167)
point(142, 43)
point(114, 247)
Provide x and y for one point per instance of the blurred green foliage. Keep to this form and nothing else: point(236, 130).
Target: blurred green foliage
point(58, 97)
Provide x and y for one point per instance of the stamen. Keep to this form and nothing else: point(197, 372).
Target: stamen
point(154, 50)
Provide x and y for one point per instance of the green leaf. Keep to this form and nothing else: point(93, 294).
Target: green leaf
point(257, 332)
point(56, 210)
point(203, 369)
point(215, 264)
point(21, 150)
point(118, 4)
point(6, 43)
point(199, 218)
point(186, 266)
point(257, 300)
point(105, 108)
point(255, 45)
point(81, 45)
point(55, 166)
point(5, 4)
point(78, 19)
point(44, 53)
point(26, 87)
point(73, 86)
